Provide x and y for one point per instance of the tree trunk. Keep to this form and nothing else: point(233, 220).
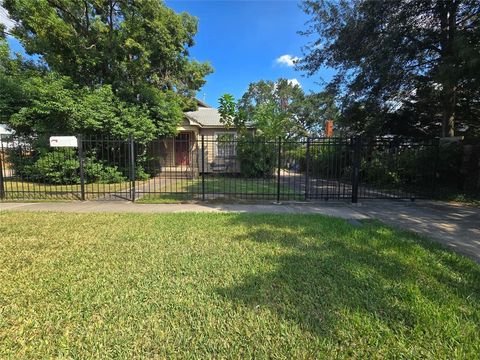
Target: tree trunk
point(448, 23)
point(449, 107)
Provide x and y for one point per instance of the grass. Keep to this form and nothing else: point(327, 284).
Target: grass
point(167, 192)
point(229, 285)
point(221, 188)
point(26, 190)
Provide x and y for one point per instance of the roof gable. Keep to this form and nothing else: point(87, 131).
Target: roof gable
point(205, 116)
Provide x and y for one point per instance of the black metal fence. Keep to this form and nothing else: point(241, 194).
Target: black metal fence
point(217, 167)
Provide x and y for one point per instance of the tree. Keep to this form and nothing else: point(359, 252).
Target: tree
point(385, 51)
point(35, 100)
point(228, 112)
point(131, 54)
point(281, 108)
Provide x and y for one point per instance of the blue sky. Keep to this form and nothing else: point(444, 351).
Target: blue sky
point(245, 41)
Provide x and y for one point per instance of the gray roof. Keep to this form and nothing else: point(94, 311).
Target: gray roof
point(205, 117)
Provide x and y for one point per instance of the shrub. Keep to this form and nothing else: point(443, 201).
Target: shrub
point(140, 173)
point(61, 167)
point(97, 172)
point(256, 155)
point(57, 167)
point(379, 171)
point(52, 167)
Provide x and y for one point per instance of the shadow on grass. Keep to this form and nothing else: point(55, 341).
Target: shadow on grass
point(329, 275)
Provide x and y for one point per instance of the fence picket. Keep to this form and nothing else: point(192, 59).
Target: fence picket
point(211, 167)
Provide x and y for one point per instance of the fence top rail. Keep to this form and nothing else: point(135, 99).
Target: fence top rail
point(395, 139)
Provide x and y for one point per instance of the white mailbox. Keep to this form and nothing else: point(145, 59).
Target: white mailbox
point(63, 141)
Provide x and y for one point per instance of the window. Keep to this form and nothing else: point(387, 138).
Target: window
point(226, 144)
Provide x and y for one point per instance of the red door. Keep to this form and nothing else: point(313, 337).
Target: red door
point(182, 145)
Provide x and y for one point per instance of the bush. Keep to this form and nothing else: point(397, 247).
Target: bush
point(379, 171)
point(140, 173)
point(97, 172)
point(256, 155)
point(61, 167)
point(54, 167)
point(57, 167)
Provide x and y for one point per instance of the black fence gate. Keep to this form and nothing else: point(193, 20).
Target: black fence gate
point(220, 166)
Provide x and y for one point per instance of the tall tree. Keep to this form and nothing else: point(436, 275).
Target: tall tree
point(281, 108)
point(139, 49)
point(386, 50)
point(35, 100)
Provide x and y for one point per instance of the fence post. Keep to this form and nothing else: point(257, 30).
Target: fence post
point(82, 170)
point(435, 167)
point(279, 163)
point(131, 142)
point(203, 168)
point(2, 183)
point(356, 142)
point(307, 169)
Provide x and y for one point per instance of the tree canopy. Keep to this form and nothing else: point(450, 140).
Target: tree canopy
point(112, 66)
point(401, 64)
point(278, 108)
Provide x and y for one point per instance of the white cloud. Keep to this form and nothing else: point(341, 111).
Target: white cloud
point(287, 60)
point(5, 19)
point(294, 82)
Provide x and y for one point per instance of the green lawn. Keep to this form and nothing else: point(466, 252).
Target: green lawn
point(26, 190)
point(230, 285)
point(221, 187)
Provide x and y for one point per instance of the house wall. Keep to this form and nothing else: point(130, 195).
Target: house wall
point(162, 154)
point(163, 150)
point(214, 163)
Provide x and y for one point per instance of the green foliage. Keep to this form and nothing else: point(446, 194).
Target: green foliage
point(323, 157)
point(378, 171)
point(120, 43)
point(61, 167)
point(414, 168)
point(54, 104)
point(114, 67)
point(399, 62)
point(274, 108)
point(278, 108)
point(228, 111)
point(257, 156)
point(56, 167)
point(97, 172)
point(140, 173)
point(272, 121)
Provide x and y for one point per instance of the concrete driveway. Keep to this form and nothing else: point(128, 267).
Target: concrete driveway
point(455, 226)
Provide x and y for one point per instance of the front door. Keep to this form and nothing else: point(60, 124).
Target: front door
point(182, 146)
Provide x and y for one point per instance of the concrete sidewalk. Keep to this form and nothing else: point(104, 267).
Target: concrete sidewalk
point(455, 226)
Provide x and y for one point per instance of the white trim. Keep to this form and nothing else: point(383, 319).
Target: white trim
point(215, 148)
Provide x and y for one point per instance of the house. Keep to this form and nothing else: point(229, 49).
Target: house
point(184, 152)
point(4, 132)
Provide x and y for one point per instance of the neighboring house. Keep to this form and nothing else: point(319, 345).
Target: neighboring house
point(3, 132)
point(185, 150)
